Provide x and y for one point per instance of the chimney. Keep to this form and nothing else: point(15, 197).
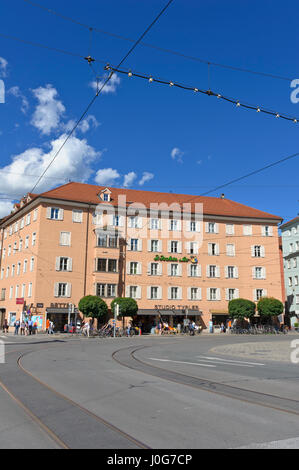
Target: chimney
point(222, 196)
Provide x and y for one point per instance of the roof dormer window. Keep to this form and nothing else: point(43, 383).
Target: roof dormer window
point(105, 195)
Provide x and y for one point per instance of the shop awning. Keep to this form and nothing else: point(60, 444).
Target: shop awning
point(219, 312)
point(165, 313)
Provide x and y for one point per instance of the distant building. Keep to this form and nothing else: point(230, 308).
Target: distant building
point(290, 245)
point(178, 255)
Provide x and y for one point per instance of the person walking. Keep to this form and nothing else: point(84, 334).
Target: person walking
point(17, 326)
point(5, 327)
point(22, 328)
point(30, 327)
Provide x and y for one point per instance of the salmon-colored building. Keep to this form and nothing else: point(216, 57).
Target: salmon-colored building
point(177, 255)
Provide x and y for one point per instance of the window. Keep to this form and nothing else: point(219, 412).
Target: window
point(116, 221)
point(230, 250)
point(212, 271)
point(18, 269)
point(35, 215)
point(174, 293)
point(23, 291)
point(9, 250)
point(231, 294)
point(17, 292)
point(259, 293)
point(22, 223)
point(63, 264)
point(289, 264)
point(30, 290)
point(193, 270)
point(3, 293)
point(291, 249)
point(134, 244)
point(154, 293)
point(27, 242)
point(133, 268)
point(15, 248)
point(112, 265)
point(106, 290)
point(154, 269)
point(154, 246)
point(294, 262)
point(32, 264)
point(212, 294)
point(192, 226)
point(28, 219)
point(106, 197)
point(7, 271)
point(2, 273)
point(173, 247)
point(133, 222)
point(113, 241)
point(193, 249)
point(33, 239)
point(247, 230)
point(54, 213)
point(213, 249)
point(267, 231)
point(290, 282)
point(21, 245)
point(133, 292)
point(62, 288)
point(297, 299)
point(77, 216)
point(173, 225)
point(211, 227)
point(230, 272)
point(174, 270)
point(230, 229)
point(13, 270)
point(4, 252)
point(154, 224)
point(11, 292)
point(258, 273)
point(25, 266)
point(194, 293)
point(258, 251)
point(65, 238)
point(296, 280)
point(102, 241)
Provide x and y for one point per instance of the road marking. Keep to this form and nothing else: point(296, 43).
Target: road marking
point(292, 443)
point(181, 362)
point(231, 361)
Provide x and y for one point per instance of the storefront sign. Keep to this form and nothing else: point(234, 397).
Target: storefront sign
point(20, 301)
point(39, 305)
point(172, 259)
point(176, 307)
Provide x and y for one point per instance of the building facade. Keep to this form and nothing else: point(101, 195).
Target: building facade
point(290, 245)
point(177, 255)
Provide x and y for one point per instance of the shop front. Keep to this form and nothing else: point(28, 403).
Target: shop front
point(218, 317)
point(148, 319)
point(61, 315)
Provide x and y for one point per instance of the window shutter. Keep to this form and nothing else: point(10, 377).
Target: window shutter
point(226, 272)
point(236, 273)
point(270, 231)
point(199, 270)
point(58, 263)
point(127, 291)
point(252, 251)
point(149, 292)
point(48, 212)
point(218, 294)
point(216, 228)
point(217, 249)
point(253, 272)
point(169, 269)
point(262, 251)
point(189, 293)
point(128, 268)
point(139, 244)
point(237, 294)
point(139, 268)
point(169, 246)
point(70, 264)
point(160, 246)
point(160, 269)
point(60, 214)
point(226, 294)
point(179, 247)
point(209, 249)
point(264, 273)
point(56, 287)
point(208, 271)
point(169, 293)
point(187, 245)
point(207, 227)
point(68, 290)
point(208, 293)
point(263, 231)
point(265, 292)
point(199, 294)
point(138, 292)
point(180, 293)
point(180, 270)
point(217, 271)
point(254, 295)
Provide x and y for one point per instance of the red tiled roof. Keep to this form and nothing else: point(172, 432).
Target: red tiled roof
point(296, 219)
point(88, 193)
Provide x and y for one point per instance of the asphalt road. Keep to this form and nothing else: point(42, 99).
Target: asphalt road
point(160, 393)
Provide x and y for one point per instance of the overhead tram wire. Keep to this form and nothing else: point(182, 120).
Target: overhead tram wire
point(99, 91)
point(209, 92)
point(158, 48)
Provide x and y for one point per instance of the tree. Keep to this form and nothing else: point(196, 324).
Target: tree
point(269, 307)
point(127, 307)
point(93, 307)
point(241, 308)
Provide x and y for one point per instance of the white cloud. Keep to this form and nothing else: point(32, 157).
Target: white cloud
point(177, 154)
point(129, 179)
point(3, 67)
point(110, 87)
point(146, 177)
point(16, 92)
point(73, 163)
point(84, 126)
point(5, 208)
point(106, 177)
point(49, 111)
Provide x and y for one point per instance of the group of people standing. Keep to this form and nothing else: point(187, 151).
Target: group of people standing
point(22, 327)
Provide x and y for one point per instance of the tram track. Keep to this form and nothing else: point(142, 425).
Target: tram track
point(127, 357)
point(68, 424)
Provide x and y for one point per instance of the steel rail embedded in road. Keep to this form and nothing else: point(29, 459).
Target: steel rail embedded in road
point(126, 357)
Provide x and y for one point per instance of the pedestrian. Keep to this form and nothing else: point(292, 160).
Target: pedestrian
point(129, 329)
point(30, 327)
point(5, 327)
point(26, 328)
point(51, 328)
point(17, 326)
point(86, 329)
point(178, 327)
point(22, 328)
point(47, 325)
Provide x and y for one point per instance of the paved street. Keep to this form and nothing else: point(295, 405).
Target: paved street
point(138, 409)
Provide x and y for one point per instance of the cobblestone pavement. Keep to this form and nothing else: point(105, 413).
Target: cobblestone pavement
point(276, 350)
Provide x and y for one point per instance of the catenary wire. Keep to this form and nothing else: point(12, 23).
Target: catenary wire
point(158, 48)
point(99, 91)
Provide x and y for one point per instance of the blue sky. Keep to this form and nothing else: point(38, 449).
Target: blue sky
point(146, 135)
